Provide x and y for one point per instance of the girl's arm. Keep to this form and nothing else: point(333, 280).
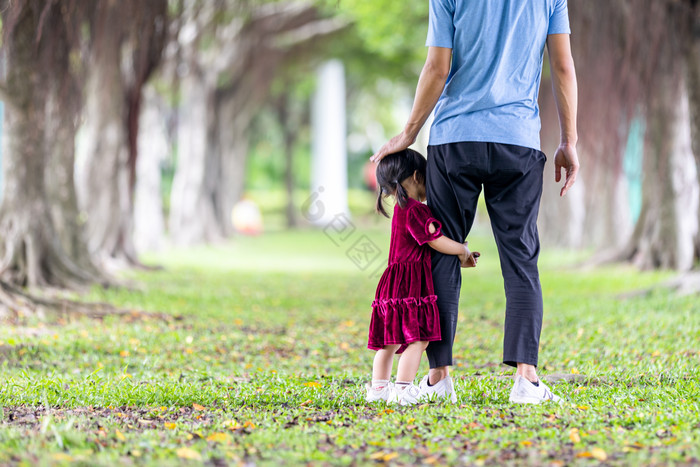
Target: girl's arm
point(448, 246)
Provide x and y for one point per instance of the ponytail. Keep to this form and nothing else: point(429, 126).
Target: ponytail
point(401, 194)
point(380, 203)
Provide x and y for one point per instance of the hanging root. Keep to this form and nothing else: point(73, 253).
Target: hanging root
point(16, 303)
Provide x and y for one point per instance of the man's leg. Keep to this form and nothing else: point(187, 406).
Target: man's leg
point(452, 194)
point(512, 193)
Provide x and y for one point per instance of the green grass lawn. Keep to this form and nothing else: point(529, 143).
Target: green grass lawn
point(265, 358)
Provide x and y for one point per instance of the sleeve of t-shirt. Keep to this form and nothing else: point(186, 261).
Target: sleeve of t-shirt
point(559, 20)
point(418, 223)
point(441, 28)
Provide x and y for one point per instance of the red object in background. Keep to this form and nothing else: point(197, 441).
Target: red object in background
point(246, 218)
point(369, 173)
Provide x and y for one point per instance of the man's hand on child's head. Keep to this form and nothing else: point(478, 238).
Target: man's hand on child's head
point(395, 144)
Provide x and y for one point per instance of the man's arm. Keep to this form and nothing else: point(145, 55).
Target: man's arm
point(566, 96)
point(430, 85)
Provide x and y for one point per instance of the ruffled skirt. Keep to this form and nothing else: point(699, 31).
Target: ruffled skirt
point(405, 309)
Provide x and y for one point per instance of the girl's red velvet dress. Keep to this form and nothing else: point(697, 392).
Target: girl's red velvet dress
point(404, 308)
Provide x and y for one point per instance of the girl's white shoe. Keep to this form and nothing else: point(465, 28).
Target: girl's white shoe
point(385, 393)
point(409, 395)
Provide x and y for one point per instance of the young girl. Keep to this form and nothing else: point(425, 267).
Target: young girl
point(404, 314)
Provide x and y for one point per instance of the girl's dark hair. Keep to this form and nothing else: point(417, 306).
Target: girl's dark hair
point(394, 168)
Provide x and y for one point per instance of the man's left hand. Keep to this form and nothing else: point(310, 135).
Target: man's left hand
point(395, 144)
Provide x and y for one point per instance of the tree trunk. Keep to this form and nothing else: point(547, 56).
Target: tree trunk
point(193, 217)
point(61, 127)
point(104, 185)
point(33, 255)
point(289, 125)
point(663, 236)
point(127, 40)
point(149, 223)
point(234, 119)
point(223, 86)
point(291, 210)
point(693, 80)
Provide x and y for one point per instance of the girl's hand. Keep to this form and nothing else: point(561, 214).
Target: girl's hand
point(468, 259)
point(471, 260)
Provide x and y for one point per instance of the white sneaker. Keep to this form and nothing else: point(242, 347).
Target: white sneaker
point(409, 396)
point(524, 392)
point(386, 393)
point(443, 389)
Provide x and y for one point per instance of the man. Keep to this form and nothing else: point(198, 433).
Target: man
point(482, 77)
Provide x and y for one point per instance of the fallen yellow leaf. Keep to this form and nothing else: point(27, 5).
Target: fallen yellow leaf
point(120, 436)
point(599, 454)
point(583, 407)
point(217, 437)
point(187, 453)
point(249, 424)
point(61, 457)
point(526, 443)
point(198, 407)
point(170, 425)
point(584, 454)
point(313, 384)
point(390, 456)
point(124, 353)
point(574, 371)
point(574, 436)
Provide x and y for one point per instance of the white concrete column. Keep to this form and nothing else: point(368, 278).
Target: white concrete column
point(329, 172)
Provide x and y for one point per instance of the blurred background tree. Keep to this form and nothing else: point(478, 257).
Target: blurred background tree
point(176, 109)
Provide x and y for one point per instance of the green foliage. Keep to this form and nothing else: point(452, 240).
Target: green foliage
point(393, 30)
point(267, 362)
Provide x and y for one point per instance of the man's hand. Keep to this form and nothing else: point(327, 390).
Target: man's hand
point(566, 158)
point(395, 144)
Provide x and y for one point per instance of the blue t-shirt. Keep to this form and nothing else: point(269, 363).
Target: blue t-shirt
point(497, 49)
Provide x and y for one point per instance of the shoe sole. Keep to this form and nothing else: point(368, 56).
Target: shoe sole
point(524, 400)
point(530, 400)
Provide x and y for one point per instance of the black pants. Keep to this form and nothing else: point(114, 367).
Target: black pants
point(512, 180)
